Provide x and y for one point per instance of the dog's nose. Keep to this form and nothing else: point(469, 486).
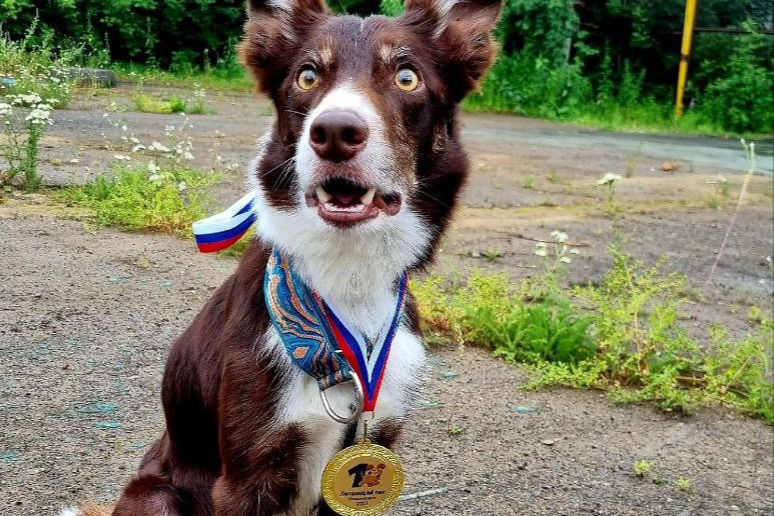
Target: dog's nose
point(338, 135)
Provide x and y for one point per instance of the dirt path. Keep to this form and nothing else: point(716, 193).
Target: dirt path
point(86, 318)
point(83, 349)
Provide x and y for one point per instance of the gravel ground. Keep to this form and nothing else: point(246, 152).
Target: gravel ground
point(87, 315)
point(85, 321)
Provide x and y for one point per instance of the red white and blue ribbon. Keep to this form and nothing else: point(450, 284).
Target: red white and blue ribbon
point(368, 362)
point(319, 340)
point(220, 231)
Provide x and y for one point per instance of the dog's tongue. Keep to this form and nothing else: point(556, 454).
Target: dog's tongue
point(345, 198)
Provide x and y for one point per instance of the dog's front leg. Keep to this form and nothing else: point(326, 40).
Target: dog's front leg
point(259, 455)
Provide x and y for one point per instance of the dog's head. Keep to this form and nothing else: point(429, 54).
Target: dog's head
point(364, 152)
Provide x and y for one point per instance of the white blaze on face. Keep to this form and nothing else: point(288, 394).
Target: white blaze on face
point(373, 161)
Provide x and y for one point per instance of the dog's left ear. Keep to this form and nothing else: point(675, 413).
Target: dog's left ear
point(273, 30)
point(463, 31)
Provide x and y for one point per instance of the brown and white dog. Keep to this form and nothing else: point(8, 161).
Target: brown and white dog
point(356, 180)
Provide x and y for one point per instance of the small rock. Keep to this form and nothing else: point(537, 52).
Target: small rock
point(548, 442)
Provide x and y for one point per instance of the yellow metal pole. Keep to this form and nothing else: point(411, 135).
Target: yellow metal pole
point(685, 54)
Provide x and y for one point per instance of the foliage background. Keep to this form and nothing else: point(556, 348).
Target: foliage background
point(609, 61)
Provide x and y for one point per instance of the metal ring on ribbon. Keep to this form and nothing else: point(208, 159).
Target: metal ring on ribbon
point(359, 397)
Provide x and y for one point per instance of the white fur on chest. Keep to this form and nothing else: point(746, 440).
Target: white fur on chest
point(301, 404)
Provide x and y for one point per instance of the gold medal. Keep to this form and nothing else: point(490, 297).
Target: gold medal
point(362, 480)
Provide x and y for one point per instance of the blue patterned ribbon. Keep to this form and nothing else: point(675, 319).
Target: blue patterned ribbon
point(313, 334)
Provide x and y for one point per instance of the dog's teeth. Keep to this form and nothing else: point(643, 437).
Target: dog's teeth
point(368, 197)
point(322, 195)
point(355, 208)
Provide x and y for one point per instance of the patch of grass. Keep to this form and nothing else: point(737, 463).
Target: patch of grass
point(491, 254)
point(132, 201)
point(623, 336)
point(712, 202)
point(229, 76)
point(455, 430)
point(529, 182)
point(147, 104)
point(755, 315)
point(642, 468)
point(556, 179)
point(484, 312)
point(685, 485)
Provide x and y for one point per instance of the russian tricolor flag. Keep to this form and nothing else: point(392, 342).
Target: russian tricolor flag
point(220, 231)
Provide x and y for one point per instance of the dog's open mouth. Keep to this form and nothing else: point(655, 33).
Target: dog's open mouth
point(344, 203)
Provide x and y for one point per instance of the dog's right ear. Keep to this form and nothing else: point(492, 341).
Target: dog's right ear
point(273, 30)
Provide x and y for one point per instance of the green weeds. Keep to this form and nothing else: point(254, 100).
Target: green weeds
point(146, 104)
point(623, 335)
point(229, 76)
point(167, 199)
point(29, 67)
point(642, 467)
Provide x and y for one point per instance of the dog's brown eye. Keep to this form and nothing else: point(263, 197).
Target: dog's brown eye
point(406, 79)
point(308, 79)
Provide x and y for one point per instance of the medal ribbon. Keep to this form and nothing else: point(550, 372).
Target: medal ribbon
point(221, 231)
point(309, 328)
point(368, 364)
point(313, 333)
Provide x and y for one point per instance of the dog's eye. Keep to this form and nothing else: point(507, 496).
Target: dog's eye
point(407, 79)
point(308, 79)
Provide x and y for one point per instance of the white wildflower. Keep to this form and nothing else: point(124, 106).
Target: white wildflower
point(153, 168)
point(124, 127)
point(182, 186)
point(39, 117)
point(541, 249)
point(75, 161)
point(6, 109)
point(188, 156)
point(609, 179)
point(157, 146)
point(574, 251)
point(565, 259)
point(560, 237)
point(138, 147)
point(134, 140)
point(121, 157)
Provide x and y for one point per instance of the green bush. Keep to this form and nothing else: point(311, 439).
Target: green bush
point(531, 86)
point(741, 99)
